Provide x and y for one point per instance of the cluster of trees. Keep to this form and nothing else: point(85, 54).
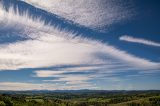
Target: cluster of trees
point(139, 104)
point(5, 101)
point(154, 101)
point(120, 99)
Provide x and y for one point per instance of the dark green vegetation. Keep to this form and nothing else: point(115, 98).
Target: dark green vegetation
point(80, 98)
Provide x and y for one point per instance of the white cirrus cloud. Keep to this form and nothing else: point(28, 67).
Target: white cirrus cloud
point(139, 40)
point(68, 79)
point(22, 86)
point(51, 46)
point(90, 13)
point(48, 73)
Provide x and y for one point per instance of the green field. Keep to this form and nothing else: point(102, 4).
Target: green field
point(80, 98)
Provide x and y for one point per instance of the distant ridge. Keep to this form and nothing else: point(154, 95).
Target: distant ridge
point(75, 91)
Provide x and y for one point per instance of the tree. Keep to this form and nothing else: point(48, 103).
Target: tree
point(2, 103)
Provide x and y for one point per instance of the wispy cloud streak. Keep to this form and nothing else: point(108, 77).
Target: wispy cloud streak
point(40, 86)
point(139, 40)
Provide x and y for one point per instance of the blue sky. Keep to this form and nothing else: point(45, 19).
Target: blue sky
point(73, 44)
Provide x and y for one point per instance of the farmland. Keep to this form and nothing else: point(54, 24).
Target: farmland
point(80, 98)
